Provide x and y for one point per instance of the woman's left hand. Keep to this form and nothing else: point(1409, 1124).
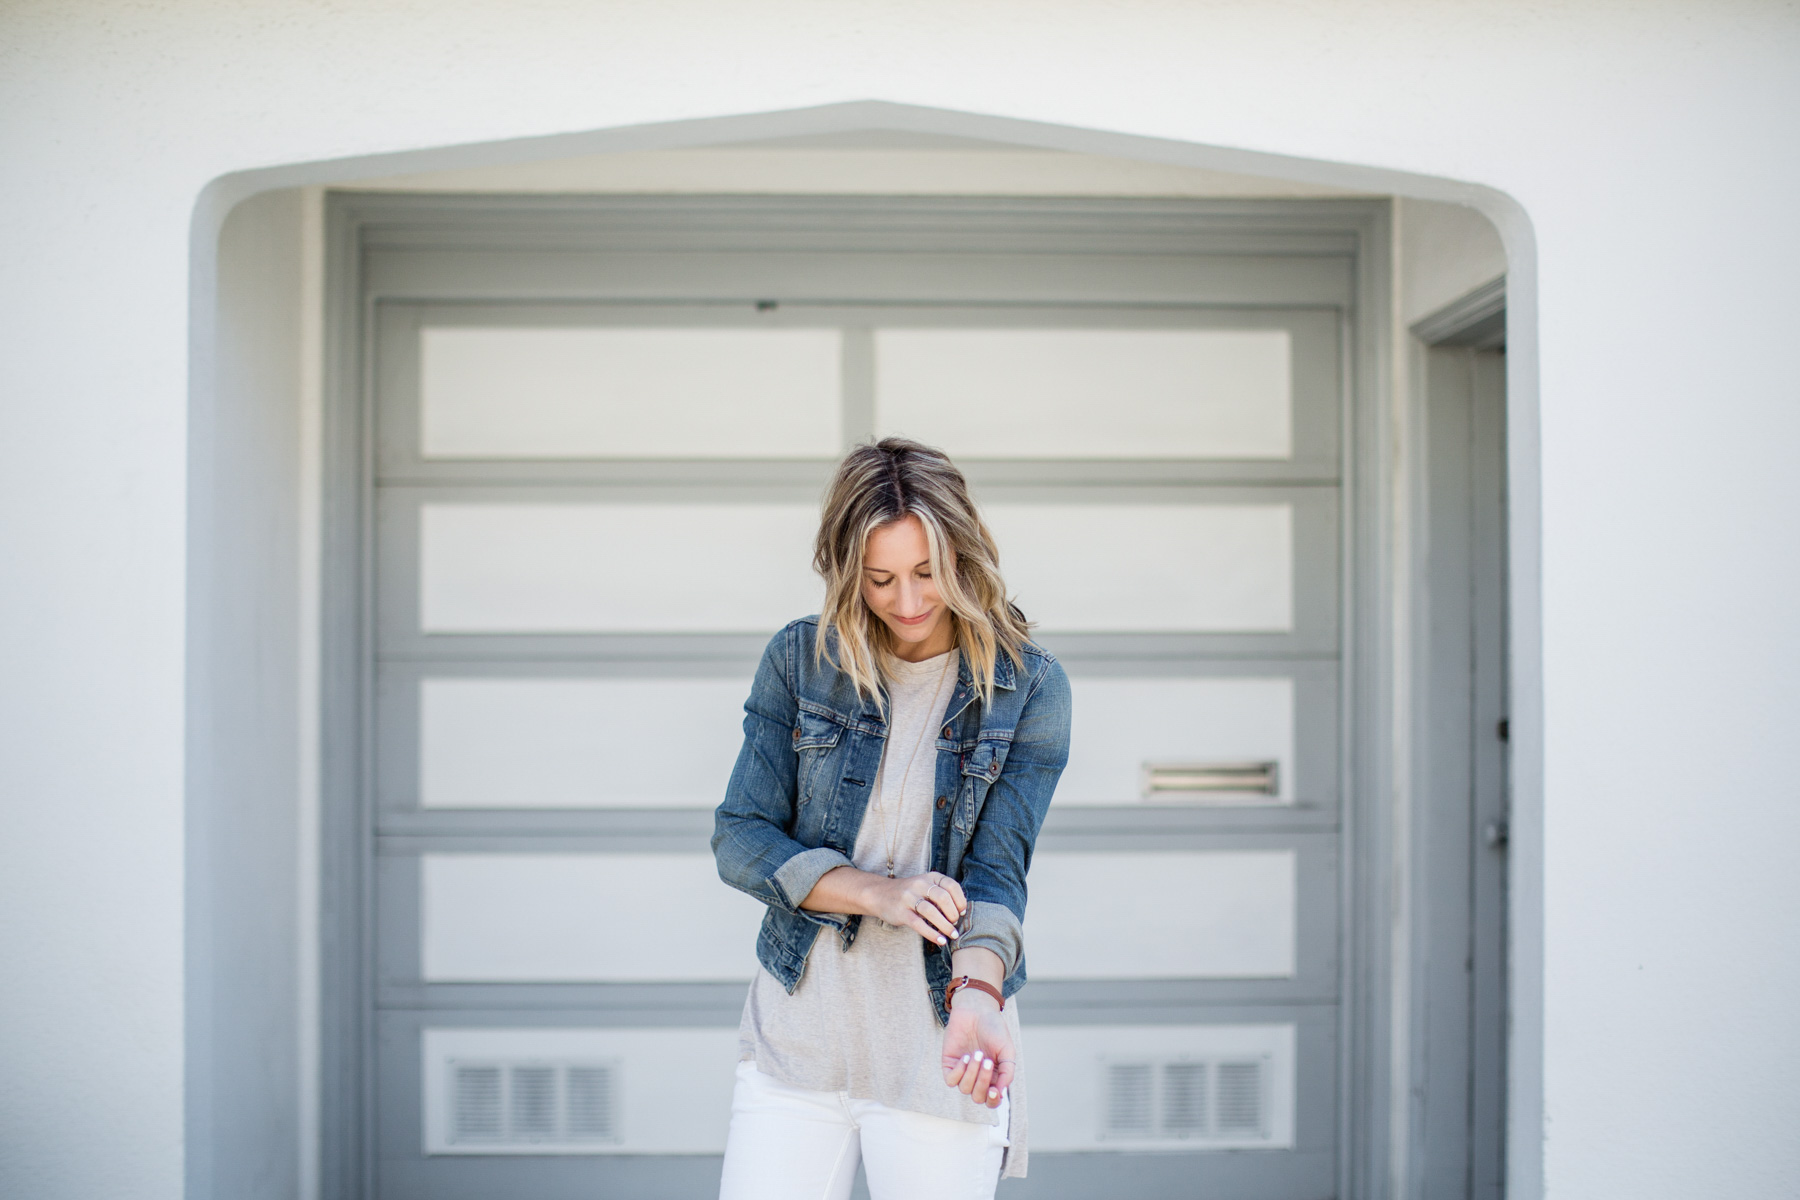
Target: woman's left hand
point(979, 1054)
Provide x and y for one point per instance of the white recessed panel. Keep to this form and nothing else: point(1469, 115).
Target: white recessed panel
point(629, 393)
point(1088, 393)
point(1166, 568)
point(1122, 724)
point(1067, 1068)
point(1162, 915)
point(578, 743)
point(627, 568)
point(495, 918)
point(672, 1091)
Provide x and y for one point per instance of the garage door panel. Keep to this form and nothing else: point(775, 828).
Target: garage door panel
point(419, 1053)
point(1250, 570)
point(521, 735)
point(641, 392)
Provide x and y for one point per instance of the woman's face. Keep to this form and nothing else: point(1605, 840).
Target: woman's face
point(898, 587)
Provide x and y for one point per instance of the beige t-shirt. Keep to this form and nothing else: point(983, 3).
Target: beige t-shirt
point(861, 1021)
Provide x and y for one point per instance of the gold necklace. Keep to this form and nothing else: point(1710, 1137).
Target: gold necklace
point(890, 831)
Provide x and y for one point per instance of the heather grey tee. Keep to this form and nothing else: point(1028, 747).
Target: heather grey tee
point(861, 1021)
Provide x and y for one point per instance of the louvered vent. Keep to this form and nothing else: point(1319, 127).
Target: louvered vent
point(1240, 1104)
point(1186, 1099)
point(476, 1105)
point(1129, 1099)
point(590, 1103)
point(533, 1103)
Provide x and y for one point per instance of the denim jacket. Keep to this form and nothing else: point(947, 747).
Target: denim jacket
point(801, 786)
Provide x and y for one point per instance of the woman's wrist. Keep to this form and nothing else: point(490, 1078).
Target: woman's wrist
point(969, 998)
point(976, 978)
point(871, 893)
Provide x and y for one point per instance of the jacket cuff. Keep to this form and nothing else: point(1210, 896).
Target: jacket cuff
point(797, 875)
point(993, 927)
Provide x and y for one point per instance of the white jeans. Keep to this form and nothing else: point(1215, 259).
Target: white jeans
point(788, 1143)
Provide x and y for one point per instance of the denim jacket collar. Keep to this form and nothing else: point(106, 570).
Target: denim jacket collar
point(966, 691)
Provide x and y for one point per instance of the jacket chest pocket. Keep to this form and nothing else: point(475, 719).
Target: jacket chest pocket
point(815, 737)
point(980, 767)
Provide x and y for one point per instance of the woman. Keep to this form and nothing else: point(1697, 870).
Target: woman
point(899, 754)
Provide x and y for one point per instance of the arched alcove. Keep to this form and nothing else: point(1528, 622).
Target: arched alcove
point(280, 520)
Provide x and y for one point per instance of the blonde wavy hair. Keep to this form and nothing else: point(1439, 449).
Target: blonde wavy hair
point(876, 485)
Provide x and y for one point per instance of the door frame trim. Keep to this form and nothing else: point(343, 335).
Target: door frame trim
point(1476, 319)
point(1473, 322)
point(1361, 228)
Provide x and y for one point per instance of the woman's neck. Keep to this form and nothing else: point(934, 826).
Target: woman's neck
point(941, 642)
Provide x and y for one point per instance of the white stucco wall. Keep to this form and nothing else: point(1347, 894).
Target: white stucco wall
point(1650, 145)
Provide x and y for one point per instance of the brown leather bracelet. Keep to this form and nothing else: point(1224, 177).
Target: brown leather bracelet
point(978, 985)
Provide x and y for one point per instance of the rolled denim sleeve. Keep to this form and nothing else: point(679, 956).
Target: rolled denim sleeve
point(752, 838)
point(999, 854)
point(994, 927)
point(798, 874)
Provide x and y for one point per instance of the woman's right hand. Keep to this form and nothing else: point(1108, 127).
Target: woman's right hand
point(931, 903)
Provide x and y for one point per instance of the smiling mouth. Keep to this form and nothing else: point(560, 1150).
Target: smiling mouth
point(913, 620)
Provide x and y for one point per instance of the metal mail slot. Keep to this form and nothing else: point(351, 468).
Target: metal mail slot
point(1212, 783)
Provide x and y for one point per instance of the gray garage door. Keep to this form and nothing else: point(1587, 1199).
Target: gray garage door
point(596, 439)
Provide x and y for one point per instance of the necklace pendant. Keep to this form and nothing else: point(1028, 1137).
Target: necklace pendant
point(890, 868)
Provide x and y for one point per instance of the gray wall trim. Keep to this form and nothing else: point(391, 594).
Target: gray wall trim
point(682, 830)
point(1367, 566)
point(988, 227)
point(242, 1067)
point(1477, 319)
point(346, 890)
point(1525, 635)
point(1051, 1002)
point(1525, 1128)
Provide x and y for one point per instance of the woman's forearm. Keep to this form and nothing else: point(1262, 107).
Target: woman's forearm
point(844, 890)
point(930, 903)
